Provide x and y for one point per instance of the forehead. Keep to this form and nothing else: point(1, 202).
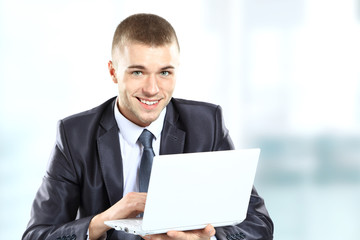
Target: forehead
point(138, 53)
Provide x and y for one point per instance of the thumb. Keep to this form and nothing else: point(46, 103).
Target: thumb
point(209, 231)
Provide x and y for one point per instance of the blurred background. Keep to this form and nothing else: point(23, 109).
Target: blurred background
point(285, 72)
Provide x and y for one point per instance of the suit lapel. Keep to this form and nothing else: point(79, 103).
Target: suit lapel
point(172, 137)
point(172, 142)
point(110, 155)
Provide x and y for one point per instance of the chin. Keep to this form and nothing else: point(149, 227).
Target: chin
point(148, 120)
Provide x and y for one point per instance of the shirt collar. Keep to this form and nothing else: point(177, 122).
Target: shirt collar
point(131, 132)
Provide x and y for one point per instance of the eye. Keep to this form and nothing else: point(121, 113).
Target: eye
point(165, 73)
point(136, 73)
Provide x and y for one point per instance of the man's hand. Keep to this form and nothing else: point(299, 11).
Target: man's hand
point(205, 233)
point(129, 206)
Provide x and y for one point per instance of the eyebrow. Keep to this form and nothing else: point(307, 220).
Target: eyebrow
point(136, 66)
point(143, 67)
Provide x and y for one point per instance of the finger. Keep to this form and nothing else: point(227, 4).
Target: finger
point(209, 230)
point(135, 201)
point(156, 237)
point(195, 234)
point(131, 205)
point(205, 233)
point(136, 196)
point(176, 234)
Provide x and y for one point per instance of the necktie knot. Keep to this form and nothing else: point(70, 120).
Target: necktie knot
point(146, 138)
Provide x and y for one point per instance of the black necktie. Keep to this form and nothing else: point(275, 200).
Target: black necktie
point(146, 139)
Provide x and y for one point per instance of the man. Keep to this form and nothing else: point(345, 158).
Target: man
point(93, 173)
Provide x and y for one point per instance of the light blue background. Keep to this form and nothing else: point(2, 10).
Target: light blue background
point(285, 72)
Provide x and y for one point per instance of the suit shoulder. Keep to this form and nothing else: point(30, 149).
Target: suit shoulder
point(195, 112)
point(203, 124)
point(182, 104)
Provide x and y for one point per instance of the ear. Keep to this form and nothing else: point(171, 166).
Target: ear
point(112, 71)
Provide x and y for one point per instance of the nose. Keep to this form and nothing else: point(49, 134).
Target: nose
point(151, 87)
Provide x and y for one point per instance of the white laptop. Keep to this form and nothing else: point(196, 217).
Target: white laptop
point(189, 191)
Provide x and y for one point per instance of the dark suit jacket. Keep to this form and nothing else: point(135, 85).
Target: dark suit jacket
point(84, 176)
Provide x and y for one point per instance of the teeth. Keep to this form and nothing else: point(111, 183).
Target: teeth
point(148, 102)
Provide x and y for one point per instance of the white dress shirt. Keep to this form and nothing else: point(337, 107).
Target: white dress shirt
point(131, 149)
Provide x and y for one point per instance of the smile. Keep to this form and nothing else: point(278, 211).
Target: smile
point(149, 102)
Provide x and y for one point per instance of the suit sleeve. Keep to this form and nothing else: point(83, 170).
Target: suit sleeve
point(258, 224)
point(57, 201)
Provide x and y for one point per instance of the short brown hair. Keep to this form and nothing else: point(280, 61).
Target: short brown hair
point(148, 29)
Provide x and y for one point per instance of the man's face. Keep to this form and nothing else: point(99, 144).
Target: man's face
point(146, 79)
